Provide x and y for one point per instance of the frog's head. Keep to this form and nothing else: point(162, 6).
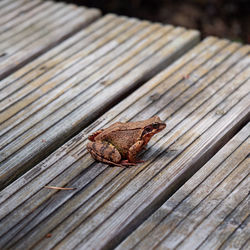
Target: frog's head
point(153, 125)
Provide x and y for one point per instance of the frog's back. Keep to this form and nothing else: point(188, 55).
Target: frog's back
point(123, 139)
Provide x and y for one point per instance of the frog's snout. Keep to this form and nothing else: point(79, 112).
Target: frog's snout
point(162, 126)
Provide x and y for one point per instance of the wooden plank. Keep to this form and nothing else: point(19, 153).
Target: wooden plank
point(58, 94)
point(208, 211)
point(18, 22)
point(18, 11)
point(204, 98)
point(14, 32)
point(3, 3)
point(8, 6)
point(28, 73)
point(238, 237)
point(11, 81)
point(56, 15)
point(27, 38)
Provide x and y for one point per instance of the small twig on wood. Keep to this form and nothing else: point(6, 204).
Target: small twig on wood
point(48, 235)
point(58, 188)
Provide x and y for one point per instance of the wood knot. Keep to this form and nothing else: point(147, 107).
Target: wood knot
point(220, 112)
point(105, 82)
point(43, 68)
point(3, 54)
point(156, 96)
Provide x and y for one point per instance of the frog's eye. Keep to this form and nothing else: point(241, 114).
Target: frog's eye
point(155, 125)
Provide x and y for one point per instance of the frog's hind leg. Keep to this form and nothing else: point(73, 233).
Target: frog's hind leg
point(104, 152)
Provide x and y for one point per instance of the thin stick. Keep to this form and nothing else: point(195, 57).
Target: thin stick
point(58, 188)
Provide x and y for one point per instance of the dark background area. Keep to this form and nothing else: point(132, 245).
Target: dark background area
point(223, 18)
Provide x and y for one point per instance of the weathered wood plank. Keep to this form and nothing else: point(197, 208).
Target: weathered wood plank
point(208, 209)
point(14, 33)
point(37, 30)
point(56, 15)
point(61, 52)
point(3, 3)
point(18, 22)
point(18, 11)
point(8, 6)
point(239, 236)
point(204, 98)
point(55, 96)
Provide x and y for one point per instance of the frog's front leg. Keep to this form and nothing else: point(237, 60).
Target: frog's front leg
point(134, 150)
point(104, 152)
point(92, 136)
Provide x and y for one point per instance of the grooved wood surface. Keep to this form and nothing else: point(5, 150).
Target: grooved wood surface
point(29, 28)
point(204, 99)
point(210, 211)
point(44, 103)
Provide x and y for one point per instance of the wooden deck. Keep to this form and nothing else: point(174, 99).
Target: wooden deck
point(84, 72)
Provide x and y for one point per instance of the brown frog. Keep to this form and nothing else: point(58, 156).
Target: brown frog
point(120, 143)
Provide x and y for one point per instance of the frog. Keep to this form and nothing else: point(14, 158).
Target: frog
point(120, 143)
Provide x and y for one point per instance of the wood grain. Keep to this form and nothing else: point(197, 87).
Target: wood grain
point(49, 100)
point(9, 6)
point(20, 10)
point(204, 99)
